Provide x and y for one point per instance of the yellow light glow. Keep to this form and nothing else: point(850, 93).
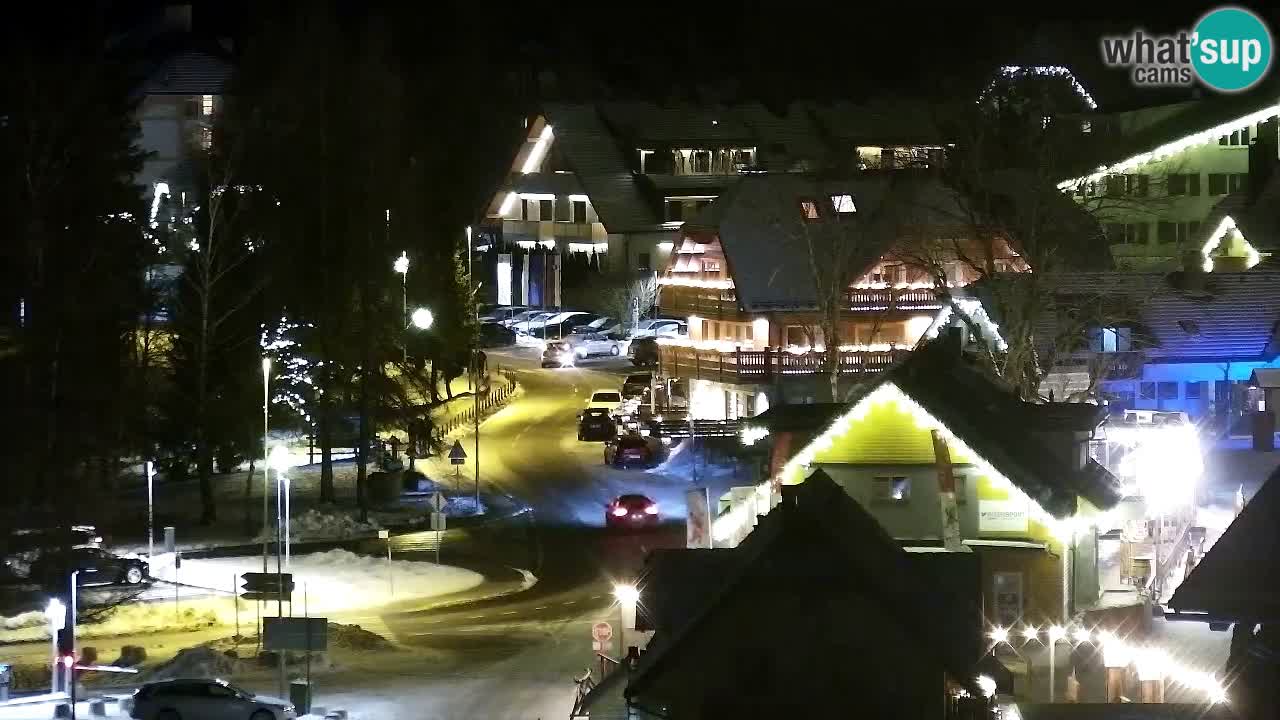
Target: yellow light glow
point(917, 326)
point(507, 203)
point(1056, 633)
point(697, 283)
point(626, 594)
point(1030, 632)
point(539, 148)
point(999, 634)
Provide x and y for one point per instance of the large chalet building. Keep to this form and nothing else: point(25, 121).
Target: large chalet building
point(743, 273)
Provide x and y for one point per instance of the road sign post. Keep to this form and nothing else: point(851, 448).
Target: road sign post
point(601, 634)
point(391, 583)
point(267, 586)
point(437, 519)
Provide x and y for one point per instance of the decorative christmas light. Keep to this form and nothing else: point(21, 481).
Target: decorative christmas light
point(1228, 224)
point(1171, 148)
point(973, 309)
point(1008, 71)
point(999, 635)
point(507, 203)
point(696, 283)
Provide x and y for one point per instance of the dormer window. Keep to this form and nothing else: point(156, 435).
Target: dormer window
point(843, 204)
point(809, 210)
point(1110, 339)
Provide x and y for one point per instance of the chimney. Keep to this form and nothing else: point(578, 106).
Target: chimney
point(1263, 157)
point(177, 18)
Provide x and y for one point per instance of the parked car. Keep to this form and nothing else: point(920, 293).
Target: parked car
point(631, 511)
point(189, 699)
point(494, 335)
point(502, 313)
point(588, 344)
point(604, 325)
point(635, 386)
point(609, 400)
point(533, 322)
point(661, 327)
point(27, 539)
point(581, 320)
point(643, 352)
point(557, 354)
point(95, 565)
point(596, 424)
point(520, 317)
point(629, 450)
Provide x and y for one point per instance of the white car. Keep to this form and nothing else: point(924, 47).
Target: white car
point(190, 699)
point(660, 328)
point(608, 400)
point(531, 323)
point(585, 345)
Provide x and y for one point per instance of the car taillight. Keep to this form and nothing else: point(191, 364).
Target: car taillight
point(651, 509)
point(619, 511)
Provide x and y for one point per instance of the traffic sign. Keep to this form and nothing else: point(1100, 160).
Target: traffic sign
point(437, 521)
point(457, 455)
point(267, 586)
point(290, 633)
point(602, 632)
point(436, 501)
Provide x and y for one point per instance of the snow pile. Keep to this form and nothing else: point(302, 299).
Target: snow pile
point(339, 580)
point(134, 619)
point(687, 462)
point(196, 662)
point(354, 637)
point(34, 618)
point(325, 525)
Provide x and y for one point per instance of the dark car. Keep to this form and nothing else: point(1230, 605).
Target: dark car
point(557, 354)
point(643, 352)
point(636, 385)
point(495, 335)
point(96, 566)
point(628, 450)
point(631, 511)
point(596, 424)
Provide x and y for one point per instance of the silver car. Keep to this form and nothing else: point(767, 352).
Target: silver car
point(191, 699)
point(585, 345)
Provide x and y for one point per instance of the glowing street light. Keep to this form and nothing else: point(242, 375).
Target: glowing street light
point(1081, 635)
point(628, 596)
point(1030, 633)
point(401, 265)
point(422, 319)
point(280, 461)
point(999, 635)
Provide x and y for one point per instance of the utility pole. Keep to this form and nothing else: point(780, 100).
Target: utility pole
point(475, 365)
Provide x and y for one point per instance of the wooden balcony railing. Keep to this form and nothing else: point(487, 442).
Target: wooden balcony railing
point(723, 304)
point(868, 300)
point(760, 366)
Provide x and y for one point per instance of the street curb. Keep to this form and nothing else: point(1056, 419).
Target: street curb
point(526, 582)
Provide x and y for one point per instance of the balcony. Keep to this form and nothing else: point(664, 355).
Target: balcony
point(765, 366)
point(713, 303)
point(875, 299)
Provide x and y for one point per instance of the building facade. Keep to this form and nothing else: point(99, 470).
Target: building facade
point(743, 273)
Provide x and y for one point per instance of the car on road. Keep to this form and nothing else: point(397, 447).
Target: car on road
point(95, 565)
point(587, 345)
point(631, 511)
point(557, 354)
point(191, 699)
point(596, 424)
point(629, 450)
point(494, 335)
point(637, 385)
point(608, 400)
point(643, 352)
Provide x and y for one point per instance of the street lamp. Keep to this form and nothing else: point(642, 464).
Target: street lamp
point(628, 596)
point(266, 469)
point(401, 265)
point(999, 635)
point(279, 461)
point(56, 614)
point(422, 319)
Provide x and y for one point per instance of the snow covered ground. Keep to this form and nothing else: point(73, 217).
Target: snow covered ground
point(338, 580)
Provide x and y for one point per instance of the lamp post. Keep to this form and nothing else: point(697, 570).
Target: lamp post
point(475, 365)
point(279, 461)
point(56, 614)
point(1056, 633)
point(151, 515)
point(266, 468)
point(401, 265)
point(628, 596)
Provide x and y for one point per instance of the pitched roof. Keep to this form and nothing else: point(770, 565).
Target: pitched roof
point(1232, 316)
point(766, 241)
point(1257, 218)
point(947, 627)
point(1006, 431)
point(808, 416)
point(1240, 575)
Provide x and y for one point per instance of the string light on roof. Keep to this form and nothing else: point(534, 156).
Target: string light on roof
point(1202, 137)
point(1010, 71)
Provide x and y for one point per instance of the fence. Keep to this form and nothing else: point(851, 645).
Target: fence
point(763, 365)
point(494, 396)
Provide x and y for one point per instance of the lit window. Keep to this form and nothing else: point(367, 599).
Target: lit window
point(206, 105)
point(206, 138)
point(843, 204)
point(711, 266)
point(809, 209)
point(894, 488)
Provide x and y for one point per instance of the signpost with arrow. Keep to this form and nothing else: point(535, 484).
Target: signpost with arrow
point(437, 518)
point(457, 457)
